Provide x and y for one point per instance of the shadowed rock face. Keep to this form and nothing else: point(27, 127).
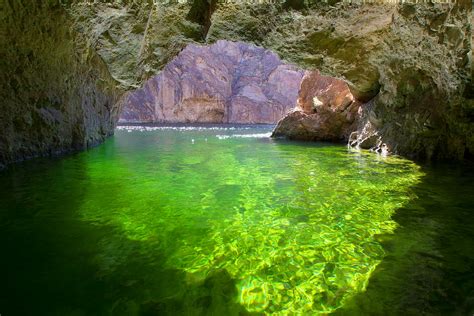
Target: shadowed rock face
point(326, 110)
point(227, 82)
point(57, 95)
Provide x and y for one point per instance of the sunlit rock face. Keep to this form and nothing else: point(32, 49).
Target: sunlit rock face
point(326, 110)
point(227, 82)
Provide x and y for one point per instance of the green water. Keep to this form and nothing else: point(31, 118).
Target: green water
point(216, 221)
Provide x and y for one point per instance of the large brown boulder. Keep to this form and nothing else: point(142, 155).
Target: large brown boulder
point(326, 110)
point(226, 82)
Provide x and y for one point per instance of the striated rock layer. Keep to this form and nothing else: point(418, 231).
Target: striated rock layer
point(56, 94)
point(226, 82)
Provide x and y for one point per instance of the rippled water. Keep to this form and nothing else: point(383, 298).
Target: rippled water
point(224, 220)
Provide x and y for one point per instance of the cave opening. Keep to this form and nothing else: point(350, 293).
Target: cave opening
point(239, 83)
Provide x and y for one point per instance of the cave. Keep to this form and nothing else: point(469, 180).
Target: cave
point(211, 157)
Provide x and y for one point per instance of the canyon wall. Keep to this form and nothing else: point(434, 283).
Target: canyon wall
point(56, 94)
point(225, 82)
point(408, 63)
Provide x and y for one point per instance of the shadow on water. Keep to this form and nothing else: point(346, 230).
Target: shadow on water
point(429, 263)
point(55, 264)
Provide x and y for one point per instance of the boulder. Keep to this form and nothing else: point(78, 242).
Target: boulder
point(326, 111)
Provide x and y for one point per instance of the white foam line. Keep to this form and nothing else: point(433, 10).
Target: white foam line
point(178, 128)
point(261, 135)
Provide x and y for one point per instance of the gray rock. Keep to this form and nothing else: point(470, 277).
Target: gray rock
point(57, 95)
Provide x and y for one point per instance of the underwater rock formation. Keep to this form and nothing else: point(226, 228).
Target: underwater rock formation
point(56, 94)
point(226, 82)
point(326, 110)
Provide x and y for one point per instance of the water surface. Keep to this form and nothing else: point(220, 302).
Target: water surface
point(224, 220)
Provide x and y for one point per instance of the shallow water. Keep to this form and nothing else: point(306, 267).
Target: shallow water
point(224, 220)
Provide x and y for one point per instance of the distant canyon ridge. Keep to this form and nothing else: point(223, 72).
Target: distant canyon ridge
point(226, 82)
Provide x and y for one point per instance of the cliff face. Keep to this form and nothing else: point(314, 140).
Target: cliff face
point(56, 93)
point(226, 82)
point(411, 61)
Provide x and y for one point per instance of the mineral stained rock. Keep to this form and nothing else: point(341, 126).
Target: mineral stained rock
point(56, 95)
point(326, 110)
point(226, 82)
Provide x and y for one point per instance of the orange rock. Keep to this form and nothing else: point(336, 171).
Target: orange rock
point(326, 110)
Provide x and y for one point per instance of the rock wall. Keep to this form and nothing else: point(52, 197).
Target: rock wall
point(226, 82)
point(411, 61)
point(56, 94)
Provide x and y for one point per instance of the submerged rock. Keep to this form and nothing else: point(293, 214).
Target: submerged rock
point(226, 82)
point(326, 110)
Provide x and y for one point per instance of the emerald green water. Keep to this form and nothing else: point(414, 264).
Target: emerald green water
point(224, 220)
